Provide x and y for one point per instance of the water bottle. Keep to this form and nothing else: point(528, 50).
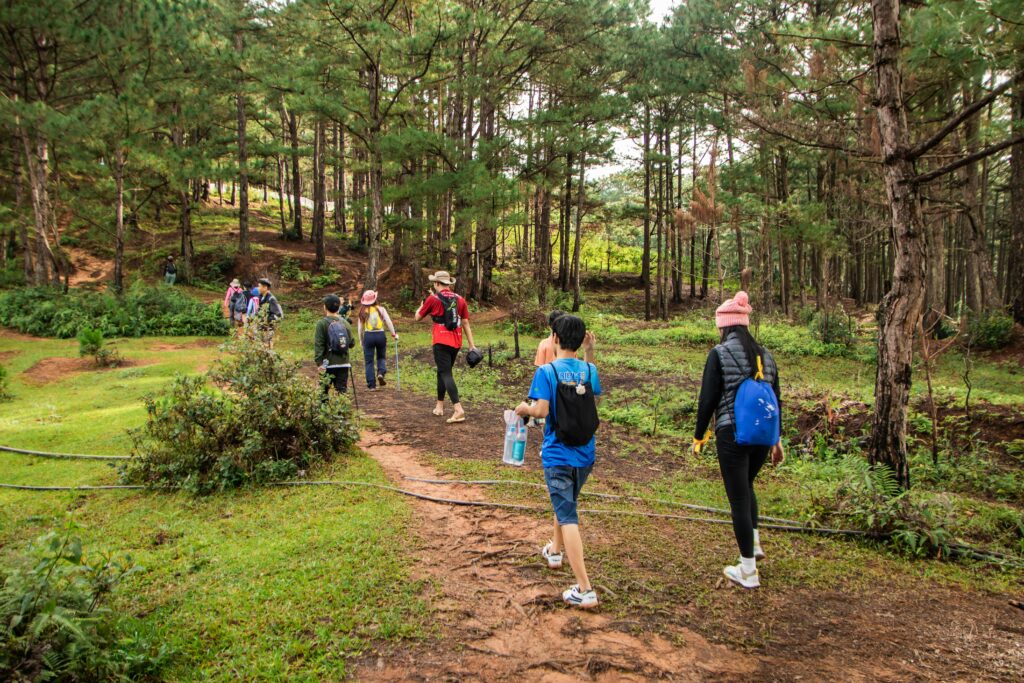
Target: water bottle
point(510, 436)
point(519, 446)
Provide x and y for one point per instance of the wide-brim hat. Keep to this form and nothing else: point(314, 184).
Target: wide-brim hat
point(442, 276)
point(369, 298)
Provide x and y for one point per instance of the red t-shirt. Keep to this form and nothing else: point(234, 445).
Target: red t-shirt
point(432, 306)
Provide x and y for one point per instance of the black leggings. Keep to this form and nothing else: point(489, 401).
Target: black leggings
point(740, 465)
point(444, 358)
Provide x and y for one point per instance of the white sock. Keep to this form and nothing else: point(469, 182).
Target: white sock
point(749, 565)
point(757, 537)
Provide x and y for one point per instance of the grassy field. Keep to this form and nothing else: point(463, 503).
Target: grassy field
point(275, 584)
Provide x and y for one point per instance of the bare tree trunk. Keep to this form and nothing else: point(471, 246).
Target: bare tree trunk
point(645, 267)
point(119, 163)
point(580, 198)
point(293, 132)
point(900, 311)
point(19, 204)
point(36, 163)
point(340, 221)
point(319, 194)
point(1015, 258)
point(243, 166)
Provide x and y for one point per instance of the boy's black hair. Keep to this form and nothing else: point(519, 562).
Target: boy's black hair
point(332, 303)
point(570, 330)
point(553, 316)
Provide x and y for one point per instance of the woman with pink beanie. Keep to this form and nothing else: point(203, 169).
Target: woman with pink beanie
point(733, 360)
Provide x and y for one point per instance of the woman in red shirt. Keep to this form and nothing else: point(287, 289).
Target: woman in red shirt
point(450, 314)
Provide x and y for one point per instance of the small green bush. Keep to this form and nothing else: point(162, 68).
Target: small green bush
point(142, 311)
point(990, 330)
point(268, 423)
point(5, 386)
point(325, 279)
point(55, 623)
point(833, 327)
point(90, 341)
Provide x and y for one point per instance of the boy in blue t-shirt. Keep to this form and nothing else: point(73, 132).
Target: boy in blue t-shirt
point(566, 468)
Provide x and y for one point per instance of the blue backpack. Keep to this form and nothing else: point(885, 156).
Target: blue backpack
point(757, 411)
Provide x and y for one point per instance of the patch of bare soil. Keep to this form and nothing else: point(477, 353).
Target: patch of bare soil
point(18, 336)
point(195, 344)
point(501, 615)
point(7, 355)
point(55, 369)
point(88, 269)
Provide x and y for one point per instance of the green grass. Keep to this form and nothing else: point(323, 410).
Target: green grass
point(272, 584)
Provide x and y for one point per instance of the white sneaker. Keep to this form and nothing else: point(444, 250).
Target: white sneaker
point(554, 560)
point(736, 574)
point(578, 598)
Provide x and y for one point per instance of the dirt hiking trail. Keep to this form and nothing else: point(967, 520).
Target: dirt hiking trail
point(499, 615)
point(500, 609)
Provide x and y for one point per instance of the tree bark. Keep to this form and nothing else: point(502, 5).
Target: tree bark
point(577, 244)
point(293, 132)
point(243, 167)
point(19, 205)
point(645, 267)
point(319, 194)
point(1015, 257)
point(119, 164)
point(900, 311)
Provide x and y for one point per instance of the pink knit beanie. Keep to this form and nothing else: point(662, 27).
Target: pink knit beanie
point(734, 311)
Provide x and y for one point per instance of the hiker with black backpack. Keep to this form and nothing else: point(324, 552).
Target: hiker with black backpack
point(740, 391)
point(235, 305)
point(565, 394)
point(450, 314)
point(373, 318)
point(170, 271)
point(270, 313)
point(332, 341)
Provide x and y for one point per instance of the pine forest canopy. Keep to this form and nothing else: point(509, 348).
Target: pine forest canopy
point(816, 151)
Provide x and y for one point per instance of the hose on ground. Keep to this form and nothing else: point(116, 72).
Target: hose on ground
point(63, 456)
point(594, 494)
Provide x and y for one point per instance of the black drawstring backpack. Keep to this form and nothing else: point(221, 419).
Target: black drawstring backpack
point(574, 410)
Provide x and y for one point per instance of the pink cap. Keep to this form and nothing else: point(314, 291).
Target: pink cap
point(369, 297)
point(734, 311)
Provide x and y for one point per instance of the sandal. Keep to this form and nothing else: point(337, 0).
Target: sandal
point(456, 418)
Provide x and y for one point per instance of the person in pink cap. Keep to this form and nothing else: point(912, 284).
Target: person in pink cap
point(736, 358)
point(373, 319)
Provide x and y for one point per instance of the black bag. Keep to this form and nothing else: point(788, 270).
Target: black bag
point(575, 410)
point(239, 303)
point(338, 337)
point(473, 358)
point(450, 318)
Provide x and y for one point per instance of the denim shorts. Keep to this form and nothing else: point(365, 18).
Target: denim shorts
point(564, 484)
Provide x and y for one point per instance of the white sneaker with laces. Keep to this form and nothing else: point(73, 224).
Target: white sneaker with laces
point(579, 598)
point(554, 560)
point(741, 577)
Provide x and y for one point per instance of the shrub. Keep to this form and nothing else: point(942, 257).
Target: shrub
point(833, 327)
point(290, 270)
point(141, 311)
point(90, 343)
point(55, 623)
point(326, 279)
point(990, 330)
point(268, 423)
point(5, 387)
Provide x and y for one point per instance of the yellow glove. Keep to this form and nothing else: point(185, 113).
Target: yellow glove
point(699, 443)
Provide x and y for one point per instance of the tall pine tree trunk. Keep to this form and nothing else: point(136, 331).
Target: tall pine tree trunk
point(293, 132)
point(1015, 257)
point(900, 310)
point(577, 244)
point(243, 166)
point(645, 266)
point(319, 194)
point(119, 164)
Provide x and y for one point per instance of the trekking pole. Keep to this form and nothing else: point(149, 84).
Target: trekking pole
point(398, 370)
point(352, 375)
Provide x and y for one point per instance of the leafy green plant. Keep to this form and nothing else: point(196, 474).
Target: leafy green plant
point(990, 330)
point(291, 270)
point(91, 343)
point(325, 279)
point(5, 386)
point(55, 623)
point(142, 311)
point(833, 327)
point(262, 421)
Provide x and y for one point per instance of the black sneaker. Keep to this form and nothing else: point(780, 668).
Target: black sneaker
point(380, 380)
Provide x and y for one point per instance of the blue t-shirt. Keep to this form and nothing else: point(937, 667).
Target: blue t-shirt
point(544, 388)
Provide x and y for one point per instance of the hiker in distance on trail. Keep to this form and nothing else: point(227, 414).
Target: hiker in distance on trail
point(450, 314)
point(372, 320)
point(170, 271)
point(270, 313)
point(332, 342)
point(740, 391)
point(546, 349)
point(565, 395)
